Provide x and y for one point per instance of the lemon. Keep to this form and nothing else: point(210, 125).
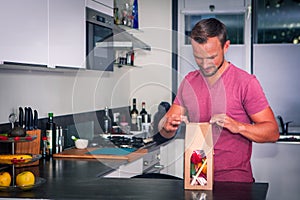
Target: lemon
point(25, 178)
point(5, 179)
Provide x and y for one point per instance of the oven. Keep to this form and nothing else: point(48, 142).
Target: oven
point(151, 162)
point(99, 34)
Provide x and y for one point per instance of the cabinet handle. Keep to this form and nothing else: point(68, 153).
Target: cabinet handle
point(159, 166)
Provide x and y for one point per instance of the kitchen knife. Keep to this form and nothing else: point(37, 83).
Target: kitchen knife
point(26, 118)
point(21, 116)
point(35, 120)
point(30, 119)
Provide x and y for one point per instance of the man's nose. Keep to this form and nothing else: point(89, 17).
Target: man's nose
point(207, 62)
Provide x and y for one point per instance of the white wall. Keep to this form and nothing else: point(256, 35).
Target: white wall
point(152, 82)
point(278, 71)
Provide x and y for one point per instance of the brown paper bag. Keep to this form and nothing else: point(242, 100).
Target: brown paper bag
point(198, 157)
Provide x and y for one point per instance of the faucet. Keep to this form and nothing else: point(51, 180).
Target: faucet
point(284, 126)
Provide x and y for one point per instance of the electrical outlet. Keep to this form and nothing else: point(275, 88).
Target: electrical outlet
point(116, 117)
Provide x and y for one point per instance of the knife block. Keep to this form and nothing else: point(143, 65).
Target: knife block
point(32, 147)
point(198, 141)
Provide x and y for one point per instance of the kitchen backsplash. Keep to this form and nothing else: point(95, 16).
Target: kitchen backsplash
point(72, 124)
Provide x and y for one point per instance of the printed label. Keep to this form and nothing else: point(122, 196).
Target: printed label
point(49, 136)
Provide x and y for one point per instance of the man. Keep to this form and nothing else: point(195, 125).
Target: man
point(229, 98)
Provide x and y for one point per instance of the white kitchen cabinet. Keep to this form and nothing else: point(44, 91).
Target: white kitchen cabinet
point(104, 6)
point(131, 169)
point(67, 33)
point(128, 170)
point(46, 32)
point(24, 31)
point(43, 32)
point(172, 157)
point(279, 165)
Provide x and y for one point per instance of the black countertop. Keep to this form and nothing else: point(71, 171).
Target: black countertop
point(79, 179)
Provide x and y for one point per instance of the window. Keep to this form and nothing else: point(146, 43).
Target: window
point(278, 21)
point(234, 22)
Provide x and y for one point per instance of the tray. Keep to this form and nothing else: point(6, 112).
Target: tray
point(17, 161)
point(27, 138)
point(38, 181)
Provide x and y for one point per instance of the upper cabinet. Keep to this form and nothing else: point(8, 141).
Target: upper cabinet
point(66, 33)
point(50, 33)
point(24, 31)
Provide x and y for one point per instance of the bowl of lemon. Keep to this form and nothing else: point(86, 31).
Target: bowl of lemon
point(25, 180)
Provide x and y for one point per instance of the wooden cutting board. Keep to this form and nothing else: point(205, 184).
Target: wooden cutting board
point(84, 154)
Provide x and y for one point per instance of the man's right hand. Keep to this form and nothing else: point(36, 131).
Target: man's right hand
point(171, 121)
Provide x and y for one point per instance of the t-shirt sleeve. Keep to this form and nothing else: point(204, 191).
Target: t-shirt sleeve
point(255, 99)
point(179, 98)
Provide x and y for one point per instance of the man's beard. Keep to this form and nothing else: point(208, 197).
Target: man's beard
point(212, 73)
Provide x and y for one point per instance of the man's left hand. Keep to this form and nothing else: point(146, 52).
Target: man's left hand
point(227, 122)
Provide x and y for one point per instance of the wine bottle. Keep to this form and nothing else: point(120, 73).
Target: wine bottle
point(107, 122)
point(143, 111)
point(133, 114)
point(51, 135)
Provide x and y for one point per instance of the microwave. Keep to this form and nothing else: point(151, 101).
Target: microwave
point(99, 31)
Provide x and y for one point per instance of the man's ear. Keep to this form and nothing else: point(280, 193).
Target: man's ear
point(226, 46)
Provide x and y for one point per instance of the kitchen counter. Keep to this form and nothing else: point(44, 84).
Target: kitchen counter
point(279, 165)
point(292, 139)
point(79, 179)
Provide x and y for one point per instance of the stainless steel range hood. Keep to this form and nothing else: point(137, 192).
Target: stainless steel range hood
point(124, 39)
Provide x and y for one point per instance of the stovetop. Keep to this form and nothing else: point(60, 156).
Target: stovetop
point(126, 142)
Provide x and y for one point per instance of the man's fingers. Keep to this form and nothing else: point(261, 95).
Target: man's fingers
point(218, 119)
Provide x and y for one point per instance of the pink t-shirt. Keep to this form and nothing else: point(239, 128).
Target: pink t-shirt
point(236, 93)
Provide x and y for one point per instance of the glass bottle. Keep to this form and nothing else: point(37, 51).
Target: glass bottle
point(135, 23)
point(132, 58)
point(133, 114)
point(44, 147)
point(128, 58)
point(51, 135)
point(61, 140)
point(56, 145)
point(116, 16)
point(143, 111)
point(107, 122)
